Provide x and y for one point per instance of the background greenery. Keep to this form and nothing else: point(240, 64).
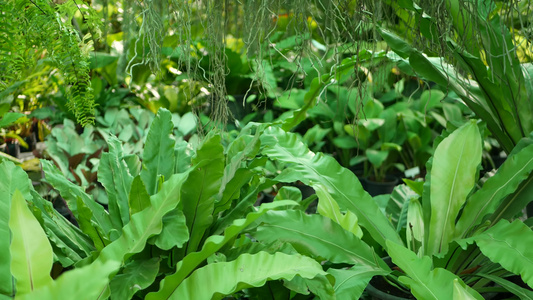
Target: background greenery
point(168, 143)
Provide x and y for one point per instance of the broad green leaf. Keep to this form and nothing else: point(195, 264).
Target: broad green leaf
point(139, 198)
point(424, 281)
point(341, 183)
point(31, 253)
point(13, 178)
point(114, 175)
point(350, 284)
point(250, 270)
point(232, 190)
point(317, 236)
point(200, 190)
point(328, 207)
point(516, 168)
point(81, 283)
point(453, 176)
point(509, 244)
point(10, 118)
point(212, 244)
point(175, 232)
point(376, 158)
point(70, 192)
point(158, 155)
point(146, 223)
point(137, 275)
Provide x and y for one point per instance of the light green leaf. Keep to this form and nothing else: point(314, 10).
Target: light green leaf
point(425, 283)
point(318, 237)
point(136, 276)
point(114, 175)
point(453, 176)
point(13, 178)
point(328, 207)
point(460, 291)
point(10, 118)
point(506, 181)
point(31, 253)
point(158, 155)
point(214, 243)
point(509, 244)
point(376, 158)
point(249, 270)
point(350, 284)
point(81, 283)
point(342, 184)
point(139, 198)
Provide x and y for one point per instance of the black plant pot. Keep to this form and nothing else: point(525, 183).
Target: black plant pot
point(375, 188)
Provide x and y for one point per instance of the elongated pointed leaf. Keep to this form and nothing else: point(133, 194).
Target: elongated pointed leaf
point(13, 178)
point(70, 192)
point(31, 253)
point(113, 174)
point(342, 184)
point(146, 223)
point(509, 244)
point(317, 236)
point(485, 201)
point(453, 176)
point(81, 283)
point(214, 243)
point(201, 188)
point(523, 293)
point(158, 155)
point(425, 282)
point(249, 271)
point(139, 198)
point(136, 276)
point(350, 284)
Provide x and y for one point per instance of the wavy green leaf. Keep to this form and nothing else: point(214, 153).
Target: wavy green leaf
point(69, 242)
point(146, 223)
point(13, 178)
point(81, 283)
point(214, 243)
point(113, 174)
point(31, 253)
point(137, 275)
point(425, 282)
point(506, 181)
point(250, 270)
point(317, 236)
point(453, 175)
point(70, 192)
point(201, 188)
point(350, 284)
point(158, 155)
point(174, 233)
point(341, 183)
point(509, 244)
